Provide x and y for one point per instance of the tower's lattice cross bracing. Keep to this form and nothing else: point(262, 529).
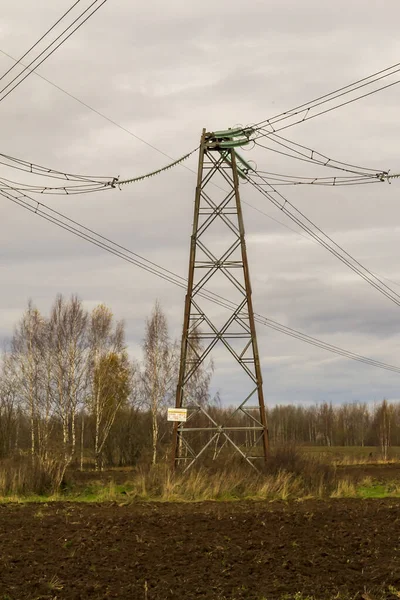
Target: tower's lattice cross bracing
point(218, 255)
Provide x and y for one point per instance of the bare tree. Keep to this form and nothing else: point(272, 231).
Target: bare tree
point(326, 423)
point(159, 369)
point(384, 417)
point(8, 406)
point(197, 388)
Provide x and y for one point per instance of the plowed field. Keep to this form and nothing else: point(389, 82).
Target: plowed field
point(242, 550)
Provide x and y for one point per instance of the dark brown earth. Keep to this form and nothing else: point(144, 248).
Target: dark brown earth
point(242, 550)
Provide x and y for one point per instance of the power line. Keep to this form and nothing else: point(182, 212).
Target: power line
point(322, 112)
point(107, 117)
point(302, 159)
point(35, 169)
point(307, 107)
point(96, 186)
point(319, 343)
point(39, 40)
point(300, 234)
point(27, 68)
point(134, 135)
point(324, 240)
point(341, 89)
point(120, 182)
point(68, 190)
point(83, 232)
point(85, 184)
point(314, 157)
point(321, 181)
point(326, 161)
point(99, 113)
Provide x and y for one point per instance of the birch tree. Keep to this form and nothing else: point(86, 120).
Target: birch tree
point(159, 370)
point(111, 389)
point(26, 364)
point(70, 347)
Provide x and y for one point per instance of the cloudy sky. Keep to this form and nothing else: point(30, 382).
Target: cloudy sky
point(163, 72)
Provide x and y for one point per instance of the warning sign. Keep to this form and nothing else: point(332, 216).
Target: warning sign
point(177, 414)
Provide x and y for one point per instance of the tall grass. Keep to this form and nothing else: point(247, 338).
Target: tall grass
point(21, 476)
point(288, 475)
point(159, 484)
point(200, 485)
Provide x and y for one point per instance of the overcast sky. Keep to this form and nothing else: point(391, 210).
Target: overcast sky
point(165, 71)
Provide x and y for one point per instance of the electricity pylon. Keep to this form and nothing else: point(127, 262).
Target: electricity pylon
point(218, 255)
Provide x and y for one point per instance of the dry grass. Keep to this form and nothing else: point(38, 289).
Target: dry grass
point(160, 484)
point(290, 474)
point(344, 489)
point(21, 476)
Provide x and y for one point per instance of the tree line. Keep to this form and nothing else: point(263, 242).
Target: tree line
point(70, 391)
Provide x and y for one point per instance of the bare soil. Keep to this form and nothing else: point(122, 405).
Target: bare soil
point(238, 550)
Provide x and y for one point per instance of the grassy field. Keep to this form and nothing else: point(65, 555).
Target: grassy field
point(292, 474)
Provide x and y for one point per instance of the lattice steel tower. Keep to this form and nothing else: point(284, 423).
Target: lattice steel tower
point(218, 256)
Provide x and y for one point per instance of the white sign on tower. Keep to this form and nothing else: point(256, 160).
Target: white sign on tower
point(177, 414)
